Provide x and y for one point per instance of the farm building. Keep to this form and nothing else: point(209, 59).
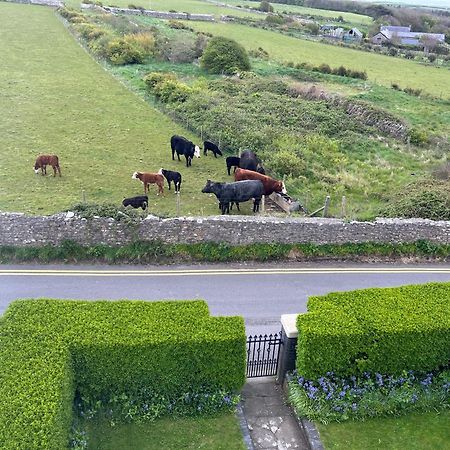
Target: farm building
point(404, 36)
point(332, 31)
point(353, 35)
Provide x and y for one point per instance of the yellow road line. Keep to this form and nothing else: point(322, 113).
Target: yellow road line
point(217, 272)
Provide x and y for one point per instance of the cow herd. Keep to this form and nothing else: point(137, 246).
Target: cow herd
point(251, 182)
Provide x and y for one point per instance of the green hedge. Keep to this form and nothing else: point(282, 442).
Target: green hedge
point(375, 330)
point(49, 349)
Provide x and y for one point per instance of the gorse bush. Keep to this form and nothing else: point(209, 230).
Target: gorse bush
point(52, 351)
point(225, 56)
point(375, 330)
point(166, 87)
point(120, 51)
point(425, 199)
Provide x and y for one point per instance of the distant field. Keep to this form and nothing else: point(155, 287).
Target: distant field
point(381, 69)
point(56, 99)
point(279, 7)
point(191, 6)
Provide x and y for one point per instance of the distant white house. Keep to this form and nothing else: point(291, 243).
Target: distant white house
point(336, 32)
point(404, 36)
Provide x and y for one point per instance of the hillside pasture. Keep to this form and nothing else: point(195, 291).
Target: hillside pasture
point(381, 69)
point(351, 18)
point(57, 99)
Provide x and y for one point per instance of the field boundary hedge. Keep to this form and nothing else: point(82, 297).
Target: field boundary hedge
point(385, 330)
point(50, 349)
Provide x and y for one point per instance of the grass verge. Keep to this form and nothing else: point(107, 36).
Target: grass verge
point(427, 431)
point(141, 252)
point(217, 432)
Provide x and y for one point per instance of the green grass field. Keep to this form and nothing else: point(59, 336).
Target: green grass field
point(209, 433)
point(381, 69)
point(427, 431)
point(57, 99)
point(351, 18)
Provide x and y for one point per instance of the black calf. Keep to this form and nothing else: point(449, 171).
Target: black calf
point(141, 201)
point(232, 161)
point(170, 176)
point(207, 145)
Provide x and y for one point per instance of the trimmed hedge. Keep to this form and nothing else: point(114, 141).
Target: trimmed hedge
point(49, 349)
point(375, 330)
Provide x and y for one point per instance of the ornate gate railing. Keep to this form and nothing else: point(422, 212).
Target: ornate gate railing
point(263, 352)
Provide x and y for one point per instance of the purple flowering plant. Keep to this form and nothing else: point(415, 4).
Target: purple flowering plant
point(336, 398)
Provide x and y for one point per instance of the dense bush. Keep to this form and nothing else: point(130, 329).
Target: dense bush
point(265, 6)
point(424, 199)
point(120, 51)
point(166, 87)
point(107, 351)
point(375, 330)
point(225, 56)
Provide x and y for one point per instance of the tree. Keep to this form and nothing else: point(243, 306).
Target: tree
point(265, 6)
point(428, 42)
point(225, 56)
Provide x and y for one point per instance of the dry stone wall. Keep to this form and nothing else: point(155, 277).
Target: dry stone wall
point(21, 230)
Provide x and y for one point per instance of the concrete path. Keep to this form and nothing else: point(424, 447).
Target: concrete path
point(271, 422)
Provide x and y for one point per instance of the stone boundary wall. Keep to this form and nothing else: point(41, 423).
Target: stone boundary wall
point(158, 14)
point(21, 230)
point(52, 3)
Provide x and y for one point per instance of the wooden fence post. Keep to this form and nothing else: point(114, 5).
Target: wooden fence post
point(326, 207)
point(178, 204)
point(343, 207)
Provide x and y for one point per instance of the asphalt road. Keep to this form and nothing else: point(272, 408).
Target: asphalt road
point(260, 293)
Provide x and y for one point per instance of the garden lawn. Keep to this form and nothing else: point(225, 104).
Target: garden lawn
point(57, 99)
point(427, 431)
point(210, 433)
point(381, 69)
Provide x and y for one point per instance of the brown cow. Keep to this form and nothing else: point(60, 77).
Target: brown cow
point(150, 178)
point(270, 185)
point(43, 161)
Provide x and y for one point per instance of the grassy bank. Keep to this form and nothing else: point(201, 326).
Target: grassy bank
point(427, 431)
point(160, 253)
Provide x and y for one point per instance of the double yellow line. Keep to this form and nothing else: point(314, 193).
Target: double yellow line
point(218, 272)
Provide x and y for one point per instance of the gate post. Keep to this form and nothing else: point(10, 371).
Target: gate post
point(289, 335)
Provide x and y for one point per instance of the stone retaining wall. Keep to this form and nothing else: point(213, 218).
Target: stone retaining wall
point(21, 230)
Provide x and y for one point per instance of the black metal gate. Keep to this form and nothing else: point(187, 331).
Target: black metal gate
point(262, 355)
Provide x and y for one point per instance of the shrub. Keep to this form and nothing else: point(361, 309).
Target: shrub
point(120, 52)
point(265, 6)
point(275, 19)
point(422, 199)
point(106, 351)
point(142, 42)
point(90, 32)
point(224, 55)
point(418, 136)
point(375, 330)
point(154, 78)
point(259, 53)
point(324, 68)
point(285, 162)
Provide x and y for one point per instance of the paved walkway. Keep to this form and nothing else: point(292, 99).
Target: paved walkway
point(271, 422)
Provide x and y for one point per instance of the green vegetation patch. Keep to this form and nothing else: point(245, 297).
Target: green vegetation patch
point(375, 330)
point(220, 432)
point(151, 252)
point(51, 351)
point(416, 431)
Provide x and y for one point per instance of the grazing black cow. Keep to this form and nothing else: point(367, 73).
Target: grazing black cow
point(207, 145)
point(232, 161)
point(184, 147)
point(250, 161)
point(239, 191)
point(170, 175)
point(141, 201)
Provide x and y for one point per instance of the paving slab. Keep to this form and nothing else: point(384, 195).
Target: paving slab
point(270, 420)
